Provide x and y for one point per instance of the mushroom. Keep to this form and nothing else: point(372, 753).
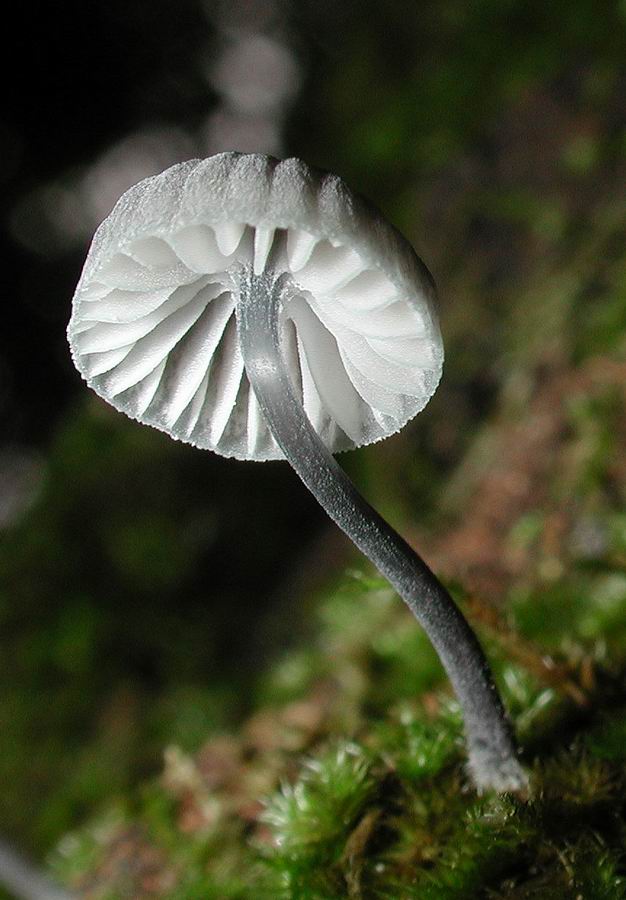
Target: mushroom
point(260, 309)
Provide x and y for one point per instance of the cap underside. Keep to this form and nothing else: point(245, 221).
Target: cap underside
point(154, 332)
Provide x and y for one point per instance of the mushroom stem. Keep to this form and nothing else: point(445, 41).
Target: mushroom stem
point(493, 761)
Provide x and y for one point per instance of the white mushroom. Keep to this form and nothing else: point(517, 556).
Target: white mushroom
point(260, 309)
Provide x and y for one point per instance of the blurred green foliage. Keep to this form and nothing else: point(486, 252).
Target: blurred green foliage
point(116, 636)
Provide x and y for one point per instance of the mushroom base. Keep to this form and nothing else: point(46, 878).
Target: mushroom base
point(493, 762)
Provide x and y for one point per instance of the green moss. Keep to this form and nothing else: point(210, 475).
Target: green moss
point(312, 820)
point(608, 739)
point(384, 811)
point(418, 748)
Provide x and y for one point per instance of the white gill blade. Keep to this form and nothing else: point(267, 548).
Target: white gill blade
point(148, 352)
point(228, 380)
point(152, 252)
point(300, 245)
point(367, 290)
point(109, 336)
point(123, 306)
point(398, 320)
point(340, 399)
point(95, 290)
point(289, 349)
point(311, 400)
point(189, 361)
point(383, 372)
point(196, 246)
point(387, 423)
point(228, 236)
point(329, 268)
point(263, 239)
point(405, 351)
point(80, 326)
point(334, 434)
point(375, 396)
point(170, 301)
point(127, 274)
point(254, 423)
point(94, 364)
point(106, 336)
point(186, 424)
point(140, 396)
point(121, 271)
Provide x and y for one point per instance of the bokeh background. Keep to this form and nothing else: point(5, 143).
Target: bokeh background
point(144, 584)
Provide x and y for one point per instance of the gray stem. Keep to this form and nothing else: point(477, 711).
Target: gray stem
point(22, 879)
point(492, 754)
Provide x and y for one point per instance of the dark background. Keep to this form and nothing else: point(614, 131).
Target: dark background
point(144, 583)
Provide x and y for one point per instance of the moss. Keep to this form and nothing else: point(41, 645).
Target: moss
point(312, 820)
point(384, 811)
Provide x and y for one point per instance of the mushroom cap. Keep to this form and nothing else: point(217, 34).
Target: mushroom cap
point(154, 331)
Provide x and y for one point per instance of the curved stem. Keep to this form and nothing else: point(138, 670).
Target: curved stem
point(492, 754)
point(24, 880)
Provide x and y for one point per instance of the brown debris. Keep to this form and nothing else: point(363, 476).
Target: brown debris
point(355, 851)
point(525, 459)
point(136, 868)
